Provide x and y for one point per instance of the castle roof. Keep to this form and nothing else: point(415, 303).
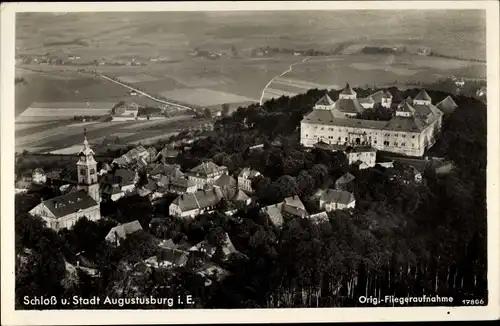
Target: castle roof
point(423, 96)
point(406, 107)
point(368, 99)
point(325, 100)
point(69, 203)
point(347, 90)
point(447, 105)
point(409, 124)
point(348, 105)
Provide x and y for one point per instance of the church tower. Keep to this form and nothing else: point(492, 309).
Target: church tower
point(87, 171)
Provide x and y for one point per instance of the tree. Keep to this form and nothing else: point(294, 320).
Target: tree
point(131, 208)
point(225, 110)
point(207, 114)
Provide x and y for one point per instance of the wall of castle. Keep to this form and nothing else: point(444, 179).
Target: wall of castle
point(401, 142)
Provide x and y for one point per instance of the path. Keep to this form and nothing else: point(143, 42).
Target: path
point(146, 94)
point(282, 74)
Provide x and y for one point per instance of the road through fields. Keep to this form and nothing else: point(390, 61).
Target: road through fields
point(146, 94)
point(281, 75)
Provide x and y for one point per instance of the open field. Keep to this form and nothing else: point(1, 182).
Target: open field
point(66, 138)
point(204, 97)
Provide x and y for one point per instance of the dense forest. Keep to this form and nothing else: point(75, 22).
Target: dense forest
point(401, 239)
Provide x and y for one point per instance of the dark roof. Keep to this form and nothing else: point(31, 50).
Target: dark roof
point(337, 196)
point(225, 180)
point(200, 199)
point(347, 90)
point(346, 105)
point(169, 170)
point(274, 213)
point(325, 100)
point(406, 107)
point(175, 256)
point(368, 99)
point(423, 96)
point(346, 178)
point(409, 124)
point(123, 230)
point(320, 116)
point(447, 105)
point(126, 176)
point(69, 203)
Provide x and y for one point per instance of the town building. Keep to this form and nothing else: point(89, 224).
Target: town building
point(289, 207)
point(345, 182)
point(413, 128)
point(138, 155)
point(117, 235)
point(245, 179)
point(168, 258)
point(225, 180)
point(332, 200)
point(206, 201)
point(64, 211)
point(205, 174)
point(364, 156)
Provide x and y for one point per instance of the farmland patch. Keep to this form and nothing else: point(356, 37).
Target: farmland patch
point(204, 97)
point(137, 78)
point(280, 92)
point(371, 66)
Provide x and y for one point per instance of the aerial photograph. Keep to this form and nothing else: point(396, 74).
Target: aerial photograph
point(250, 159)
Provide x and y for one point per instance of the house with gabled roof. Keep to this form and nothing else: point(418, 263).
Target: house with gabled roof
point(289, 207)
point(193, 204)
point(206, 173)
point(205, 201)
point(225, 180)
point(332, 200)
point(64, 211)
point(344, 182)
point(245, 178)
point(119, 233)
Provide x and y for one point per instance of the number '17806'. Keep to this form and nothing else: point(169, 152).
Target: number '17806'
point(473, 302)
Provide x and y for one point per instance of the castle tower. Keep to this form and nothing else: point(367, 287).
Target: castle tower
point(87, 171)
point(347, 93)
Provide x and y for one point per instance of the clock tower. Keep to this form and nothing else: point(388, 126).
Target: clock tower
point(87, 171)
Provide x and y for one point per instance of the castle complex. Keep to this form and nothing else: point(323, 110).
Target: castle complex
point(412, 129)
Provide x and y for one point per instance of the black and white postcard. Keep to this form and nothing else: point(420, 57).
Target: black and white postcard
point(214, 162)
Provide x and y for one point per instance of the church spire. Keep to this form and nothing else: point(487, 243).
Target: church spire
point(85, 141)
point(86, 150)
